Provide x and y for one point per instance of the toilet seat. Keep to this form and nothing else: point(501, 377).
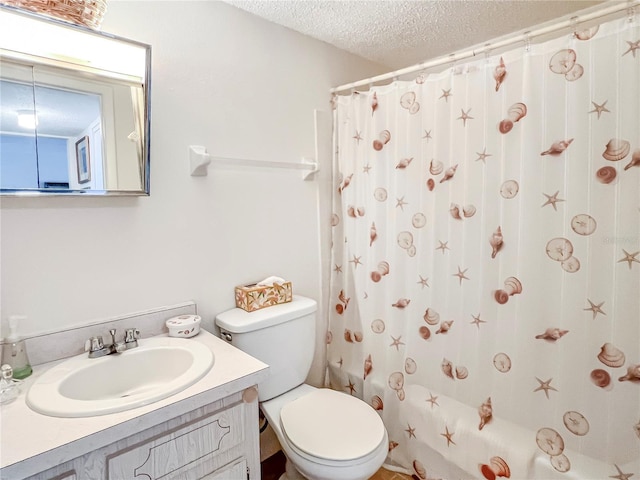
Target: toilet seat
point(331, 427)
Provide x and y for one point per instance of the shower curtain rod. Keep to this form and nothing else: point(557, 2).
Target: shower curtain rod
point(500, 42)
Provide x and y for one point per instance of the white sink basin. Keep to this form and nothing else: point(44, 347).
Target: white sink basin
point(84, 387)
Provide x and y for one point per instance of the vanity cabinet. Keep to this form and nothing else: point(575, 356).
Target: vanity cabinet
point(216, 442)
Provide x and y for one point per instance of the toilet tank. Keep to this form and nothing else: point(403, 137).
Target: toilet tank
point(282, 336)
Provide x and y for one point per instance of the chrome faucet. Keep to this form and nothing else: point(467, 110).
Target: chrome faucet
point(97, 348)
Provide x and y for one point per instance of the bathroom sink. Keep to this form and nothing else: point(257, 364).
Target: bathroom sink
point(84, 387)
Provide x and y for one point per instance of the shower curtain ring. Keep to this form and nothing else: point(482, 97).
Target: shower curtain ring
point(487, 51)
point(527, 41)
point(453, 61)
point(631, 13)
point(574, 26)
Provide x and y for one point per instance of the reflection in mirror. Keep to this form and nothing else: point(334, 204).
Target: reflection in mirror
point(74, 112)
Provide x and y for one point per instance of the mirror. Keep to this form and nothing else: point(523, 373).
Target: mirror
point(74, 109)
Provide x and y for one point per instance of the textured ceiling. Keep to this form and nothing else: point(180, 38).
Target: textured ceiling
point(399, 33)
point(61, 113)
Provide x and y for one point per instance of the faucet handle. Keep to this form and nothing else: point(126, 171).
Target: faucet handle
point(131, 335)
point(94, 344)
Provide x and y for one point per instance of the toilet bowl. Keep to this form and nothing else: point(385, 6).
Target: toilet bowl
point(327, 435)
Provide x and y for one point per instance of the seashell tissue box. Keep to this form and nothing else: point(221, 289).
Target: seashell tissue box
point(266, 293)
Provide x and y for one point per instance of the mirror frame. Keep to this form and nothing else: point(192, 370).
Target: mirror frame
point(144, 162)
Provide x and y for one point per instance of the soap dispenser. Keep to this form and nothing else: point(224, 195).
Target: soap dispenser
point(14, 351)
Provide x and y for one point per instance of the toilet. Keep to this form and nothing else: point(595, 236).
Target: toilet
point(325, 434)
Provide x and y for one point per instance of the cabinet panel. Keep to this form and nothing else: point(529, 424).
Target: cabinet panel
point(67, 475)
point(235, 471)
point(189, 452)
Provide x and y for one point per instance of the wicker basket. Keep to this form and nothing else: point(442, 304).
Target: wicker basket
point(88, 13)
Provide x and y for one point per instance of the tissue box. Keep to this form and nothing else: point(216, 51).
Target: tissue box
point(252, 297)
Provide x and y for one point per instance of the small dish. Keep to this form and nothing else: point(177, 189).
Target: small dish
point(184, 326)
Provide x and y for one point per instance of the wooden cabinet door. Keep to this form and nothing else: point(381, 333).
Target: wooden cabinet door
point(235, 471)
point(68, 475)
point(193, 451)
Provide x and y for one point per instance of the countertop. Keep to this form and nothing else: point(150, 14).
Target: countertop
point(31, 442)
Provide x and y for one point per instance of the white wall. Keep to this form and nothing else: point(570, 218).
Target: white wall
point(238, 85)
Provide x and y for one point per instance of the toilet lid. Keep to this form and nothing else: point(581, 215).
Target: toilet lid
point(332, 425)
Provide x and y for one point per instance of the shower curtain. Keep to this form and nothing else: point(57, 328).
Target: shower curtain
point(485, 284)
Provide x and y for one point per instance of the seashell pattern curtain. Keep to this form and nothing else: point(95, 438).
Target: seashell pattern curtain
point(485, 284)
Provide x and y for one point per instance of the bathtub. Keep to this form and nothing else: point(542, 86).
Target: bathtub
point(470, 448)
